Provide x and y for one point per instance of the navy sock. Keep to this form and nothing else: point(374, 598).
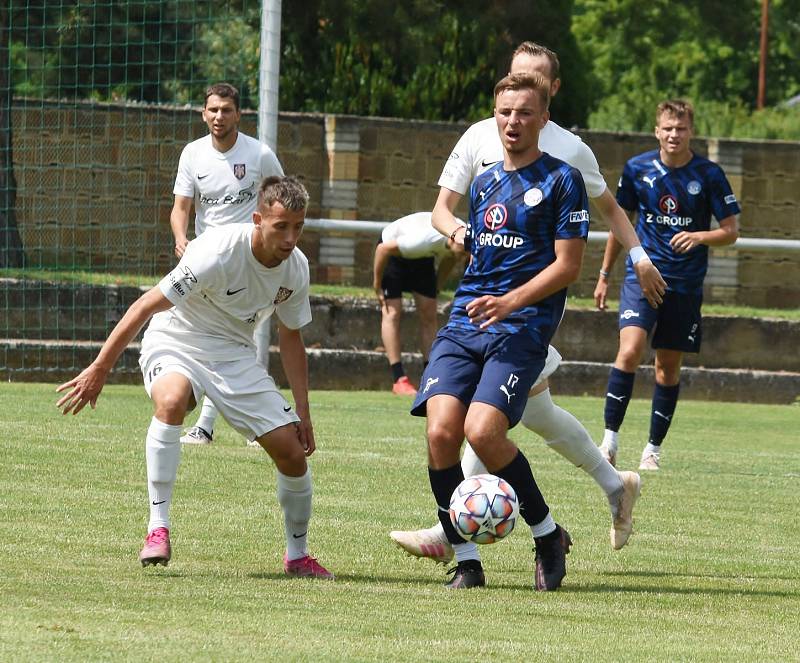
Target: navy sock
point(443, 483)
point(397, 371)
point(665, 399)
point(532, 506)
point(618, 395)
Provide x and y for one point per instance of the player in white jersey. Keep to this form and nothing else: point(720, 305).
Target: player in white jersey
point(412, 256)
point(477, 150)
point(200, 340)
point(219, 175)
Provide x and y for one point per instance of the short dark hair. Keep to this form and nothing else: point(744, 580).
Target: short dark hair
point(534, 49)
point(224, 90)
point(536, 82)
point(680, 108)
point(284, 189)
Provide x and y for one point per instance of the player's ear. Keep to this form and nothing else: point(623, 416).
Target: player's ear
point(257, 218)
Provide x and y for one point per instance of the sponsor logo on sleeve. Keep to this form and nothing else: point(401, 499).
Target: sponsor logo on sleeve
point(730, 199)
point(182, 279)
point(579, 217)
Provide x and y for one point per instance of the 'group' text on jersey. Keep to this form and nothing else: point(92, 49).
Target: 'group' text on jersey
point(515, 218)
point(672, 200)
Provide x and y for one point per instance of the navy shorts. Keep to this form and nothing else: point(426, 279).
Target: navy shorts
point(476, 366)
point(675, 324)
point(409, 275)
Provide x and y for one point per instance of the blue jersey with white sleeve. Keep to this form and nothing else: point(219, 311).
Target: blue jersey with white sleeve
point(515, 218)
point(669, 201)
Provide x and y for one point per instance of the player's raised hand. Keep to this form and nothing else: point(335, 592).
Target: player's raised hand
point(650, 280)
point(84, 389)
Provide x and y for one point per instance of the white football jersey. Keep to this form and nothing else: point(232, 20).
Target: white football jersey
point(220, 292)
point(224, 185)
point(415, 236)
point(480, 147)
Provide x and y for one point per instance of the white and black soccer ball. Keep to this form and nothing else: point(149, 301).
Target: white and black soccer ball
point(484, 508)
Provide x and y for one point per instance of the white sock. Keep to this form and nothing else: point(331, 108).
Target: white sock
point(470, 463)
point(294, 495)
point(610, 440)
point(565, 434)
point(208, 416)
point(651, 449)
point(544, 528)
point(163, 453)
point(465, 551)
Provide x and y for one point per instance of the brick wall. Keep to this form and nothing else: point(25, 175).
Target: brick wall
point(95, 181)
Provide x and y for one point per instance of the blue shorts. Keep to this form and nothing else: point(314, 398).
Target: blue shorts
point(675, 324)
point(476, 366)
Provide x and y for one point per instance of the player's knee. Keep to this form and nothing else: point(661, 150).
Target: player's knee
point(171, 406)
point(442, 437)
point(284, 447)
point(482, 438)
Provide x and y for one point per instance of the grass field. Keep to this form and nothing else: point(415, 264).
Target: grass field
point(712, 572)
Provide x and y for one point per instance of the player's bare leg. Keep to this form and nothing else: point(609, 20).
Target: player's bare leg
point(391, 314)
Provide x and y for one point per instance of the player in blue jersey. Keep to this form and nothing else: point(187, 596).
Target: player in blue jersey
point(673, 192)
point(528, 224)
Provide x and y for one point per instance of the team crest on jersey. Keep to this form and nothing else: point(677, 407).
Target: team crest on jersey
point(533, 197)
point(239, 170)
point(283, 295)
point(495, 217)
point(694, 187)
point(668, 204)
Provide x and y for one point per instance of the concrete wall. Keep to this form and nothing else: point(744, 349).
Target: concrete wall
point(95, 182)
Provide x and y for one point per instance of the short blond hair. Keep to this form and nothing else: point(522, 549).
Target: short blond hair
point(677, 107)
point(528, 81)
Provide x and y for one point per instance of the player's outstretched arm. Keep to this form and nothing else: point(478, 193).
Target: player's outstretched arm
point(179, 222)
point(652, 284)
point(86, 387)
point(295, 365)
point(566, 269)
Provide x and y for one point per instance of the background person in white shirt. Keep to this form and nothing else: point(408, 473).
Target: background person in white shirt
point(200, 340)
point(414, 257)
point(219, 175)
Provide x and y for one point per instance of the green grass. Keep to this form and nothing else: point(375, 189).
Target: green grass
point(712, 572)
point(335, 290)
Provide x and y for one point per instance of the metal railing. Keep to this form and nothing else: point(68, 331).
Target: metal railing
point(595, 236)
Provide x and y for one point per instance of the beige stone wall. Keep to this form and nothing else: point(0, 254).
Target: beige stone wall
point(95, 181)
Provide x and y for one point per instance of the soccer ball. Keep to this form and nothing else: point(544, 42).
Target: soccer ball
point(484, 508)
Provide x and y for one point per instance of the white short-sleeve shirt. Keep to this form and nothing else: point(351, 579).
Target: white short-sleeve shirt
point(220, 292)
point(415, 236)
point(480, 147)
point(224, 185)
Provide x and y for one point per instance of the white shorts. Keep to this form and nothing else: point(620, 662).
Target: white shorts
point(552, 362)
point(242, 390)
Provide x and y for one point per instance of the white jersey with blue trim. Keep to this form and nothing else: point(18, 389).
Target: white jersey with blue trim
point(479, 148)
point(220, 291)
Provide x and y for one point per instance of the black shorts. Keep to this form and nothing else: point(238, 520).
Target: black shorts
point(674, 325)
point(405, 275)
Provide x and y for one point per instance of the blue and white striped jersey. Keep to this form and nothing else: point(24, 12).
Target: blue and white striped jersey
point(671, 200)
point(515, 218)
